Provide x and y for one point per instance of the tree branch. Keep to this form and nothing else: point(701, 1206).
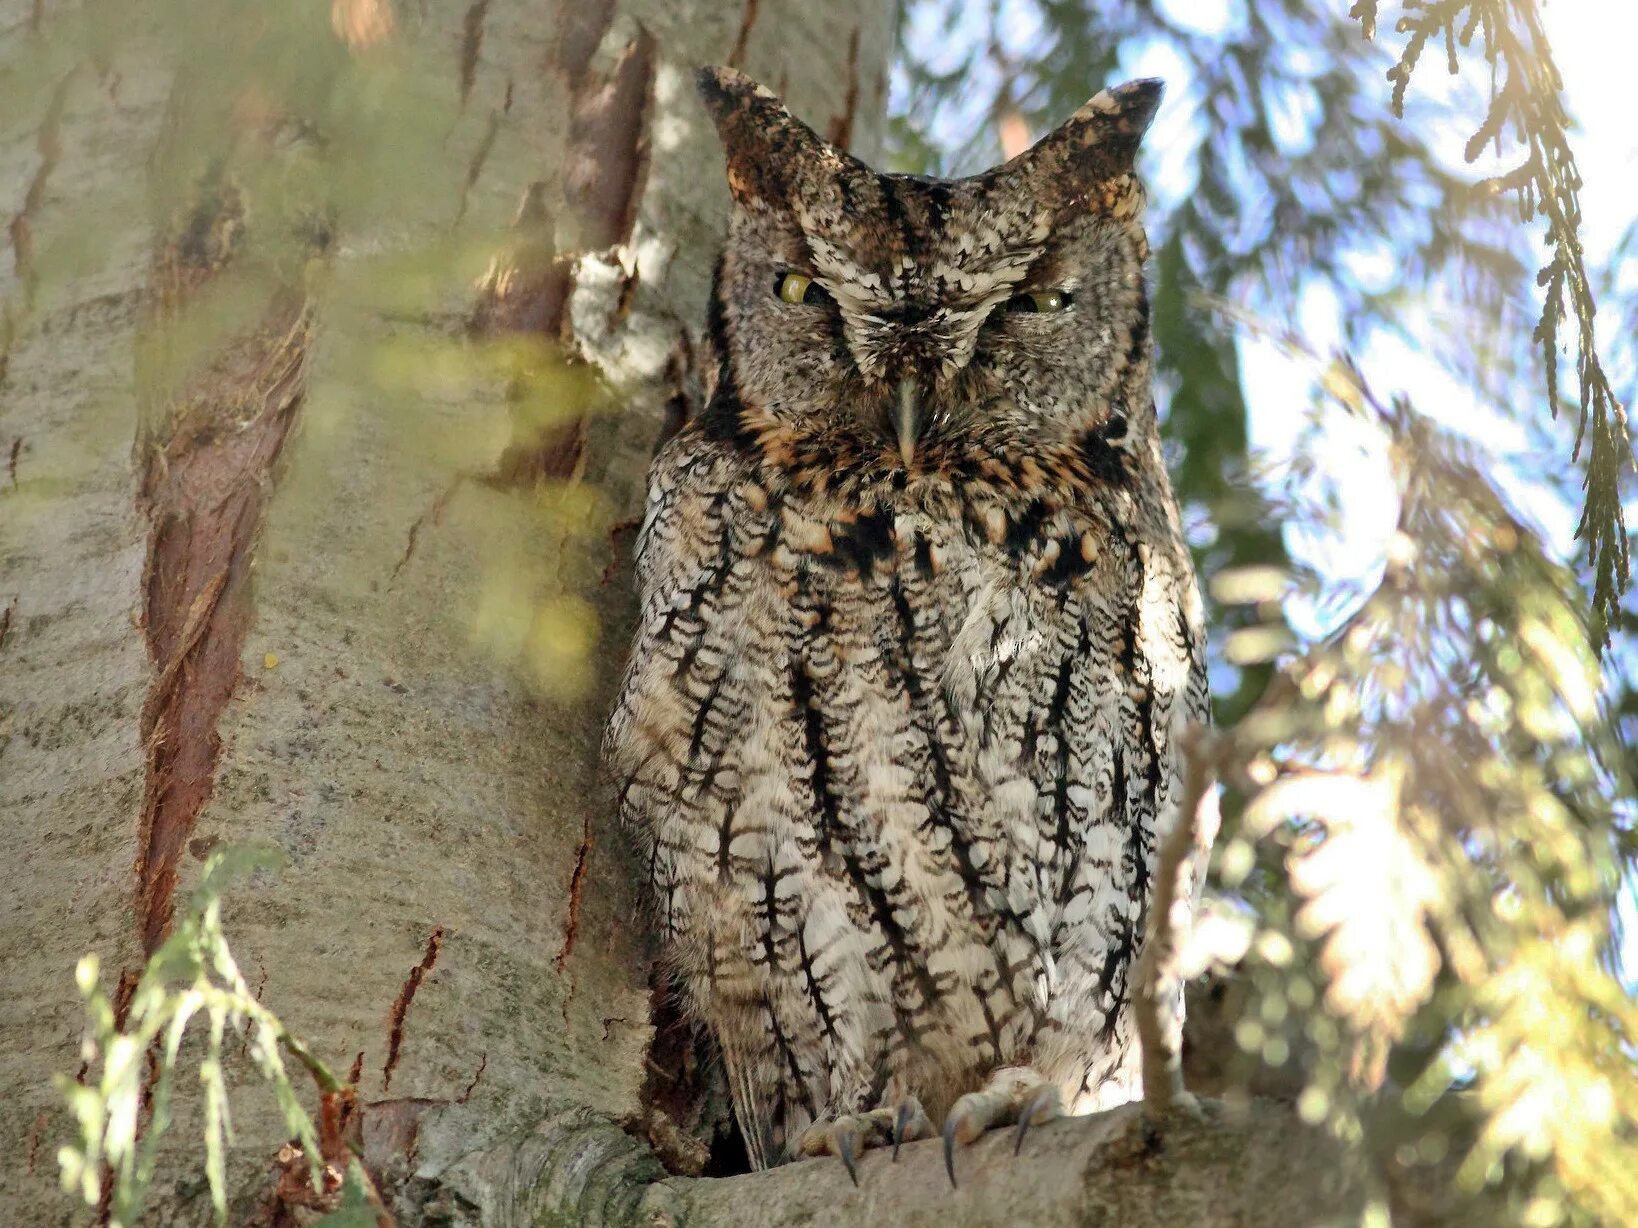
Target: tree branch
point(1259, 1165)
point(1159, 973)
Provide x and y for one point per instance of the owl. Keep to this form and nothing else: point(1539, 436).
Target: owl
point(919, 639)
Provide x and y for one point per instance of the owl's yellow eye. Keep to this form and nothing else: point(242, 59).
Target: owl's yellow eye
point(1040, 300)
point(799, 288)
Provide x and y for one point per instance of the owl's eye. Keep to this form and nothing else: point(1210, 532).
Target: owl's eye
point(1040, 300)
point(799, 288)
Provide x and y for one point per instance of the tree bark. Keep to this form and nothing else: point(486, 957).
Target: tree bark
point(1257, 1168)
point(255, 593)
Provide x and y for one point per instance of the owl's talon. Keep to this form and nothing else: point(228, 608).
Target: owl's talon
point(1014, 1094)
point(850, 1135)
point(1184, 1106)
point(1043, 1106)
point(909, 1123)
point(901, 1119)
point(969, 1117)
point(847, 1139)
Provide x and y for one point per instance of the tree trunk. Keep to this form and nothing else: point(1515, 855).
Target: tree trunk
point(297, 551)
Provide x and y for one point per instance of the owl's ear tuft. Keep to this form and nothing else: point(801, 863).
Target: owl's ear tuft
point(1100, 141)
point(727, 92)
point(1126, 111)
point(768, 148)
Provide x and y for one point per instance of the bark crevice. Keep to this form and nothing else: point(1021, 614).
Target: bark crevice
point(472, 28)
point(577, 888)
point(605, 167)
point(401, 1005)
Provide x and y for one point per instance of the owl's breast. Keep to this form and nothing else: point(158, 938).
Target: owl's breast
point(898, 764)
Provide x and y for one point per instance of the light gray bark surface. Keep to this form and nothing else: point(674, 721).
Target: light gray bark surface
point(1259, 1169)
point(73, 668)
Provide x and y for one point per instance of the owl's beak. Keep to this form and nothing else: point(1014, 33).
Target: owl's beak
point(908, 418)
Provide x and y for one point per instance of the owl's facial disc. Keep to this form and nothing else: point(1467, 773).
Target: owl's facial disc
point(989, 313)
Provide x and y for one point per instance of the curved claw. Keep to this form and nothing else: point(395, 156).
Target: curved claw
point(901, 1120)
point(949, 1150)
point(846, 1139)
point(1037, 1102)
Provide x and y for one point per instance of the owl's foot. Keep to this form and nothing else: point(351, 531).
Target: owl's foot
point(852, 1133)
point(1014, 1095)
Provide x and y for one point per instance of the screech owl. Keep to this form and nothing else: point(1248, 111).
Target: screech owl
point(919, 638)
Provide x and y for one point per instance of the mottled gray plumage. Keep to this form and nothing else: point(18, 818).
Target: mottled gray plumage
point(919, 632)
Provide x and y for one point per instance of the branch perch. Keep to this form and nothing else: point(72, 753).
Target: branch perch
point(1259, 1166)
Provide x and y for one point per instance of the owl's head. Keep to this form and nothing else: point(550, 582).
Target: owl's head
point(887, 324)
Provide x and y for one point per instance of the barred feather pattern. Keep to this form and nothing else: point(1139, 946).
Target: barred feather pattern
point(899, 739)
point(901, 783)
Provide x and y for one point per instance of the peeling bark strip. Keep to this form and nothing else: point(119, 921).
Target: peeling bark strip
point(579, 32)
point(209, 463)
point(605, 163)
point(406, 995)
point(606, 158)
point(527, 291)
point(736, 57)
point(841, 128)
point(577, 885)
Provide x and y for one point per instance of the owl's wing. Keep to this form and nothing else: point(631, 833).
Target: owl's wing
point(683, 553)
point(695, 552)
point(683, 532)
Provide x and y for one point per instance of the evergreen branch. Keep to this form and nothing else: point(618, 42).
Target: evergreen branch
point(1528, 99)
